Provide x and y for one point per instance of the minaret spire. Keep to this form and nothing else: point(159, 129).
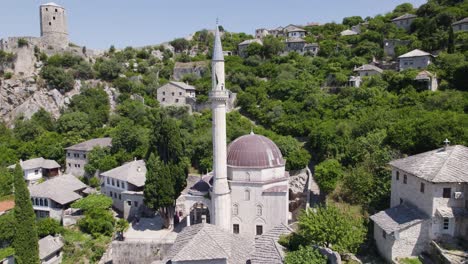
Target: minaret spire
point(221, 194)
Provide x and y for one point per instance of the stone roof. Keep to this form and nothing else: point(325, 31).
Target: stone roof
point(277, 189)
point(49, 245)
point(463, 21)
point(440, 165)
point(254, 151)
point(204, 242)
point(200, 188)
point(348, 32)
point(398, 218)
point(183, 85)
point(405, 16)
point(452, 212)
point(61, 189)
point(90, 144)
point(51, 4)
point(133, 172)
point(424, 76)
point(250, 41)
point(267, 249)
point(311, 45)
point(294, 28)
point(368, 67)
point(415, 53)
point(37, 163)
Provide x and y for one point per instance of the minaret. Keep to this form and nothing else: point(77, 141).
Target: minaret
point(221, 194)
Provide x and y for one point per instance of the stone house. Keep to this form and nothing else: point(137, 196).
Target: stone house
point(368, 70)
point(415, 59)
point(241, 47)
point(404, 21)
point(176, 93)
point(36, 169)
point(292, 31)
point(427, 80)
point(295, 44)
point(50, 250)
point(429, 201)
point(77, 155)
point(391, 44)
point(312, 48)
point(53, 196)
point(125, 185)
point(461, 25)
point(261, 33)
point(355, 81)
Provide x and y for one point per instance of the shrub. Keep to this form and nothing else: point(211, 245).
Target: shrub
point(108, 69)
point(48, 226)
point(93, 201)
point(305, 255)
point(22, 42)
point(327, 174)
point(58, 78)
point(8, 75)
point(97, 222)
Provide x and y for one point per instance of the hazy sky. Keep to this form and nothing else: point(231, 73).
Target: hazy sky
point(101, 23)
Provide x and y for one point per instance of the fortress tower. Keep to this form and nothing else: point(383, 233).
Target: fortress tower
point(54, 30)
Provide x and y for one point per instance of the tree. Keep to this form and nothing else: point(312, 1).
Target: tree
point(352, 21)
point(331, 227)
point(6, 182)
point(97, 222)
point(327, 174)
point(180, 44)
point(93, 201)
point(48, 226)
point(58, 78)
point(100, 159)
point(108, 69)
point(25, 241)
point(272, 46)
point(305, 255)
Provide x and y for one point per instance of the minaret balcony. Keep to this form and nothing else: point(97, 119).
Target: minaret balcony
point(219, 95)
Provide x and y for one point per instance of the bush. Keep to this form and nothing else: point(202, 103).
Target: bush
point(97, 222)
point(327, 174)
point(305, 255)
point(58, 78)
point(48, 226)
point(22, 42)
point(93, 201)
point(108, 69)
point(8, 75)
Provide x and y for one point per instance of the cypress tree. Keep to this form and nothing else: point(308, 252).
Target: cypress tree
point(451, 41)
point(25, 241)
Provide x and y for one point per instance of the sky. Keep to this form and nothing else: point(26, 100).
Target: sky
point(99, 24)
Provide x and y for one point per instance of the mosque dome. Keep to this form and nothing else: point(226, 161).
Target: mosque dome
point(201, 187)
point(254, 151)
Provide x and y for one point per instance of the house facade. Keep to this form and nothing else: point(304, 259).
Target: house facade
point(428, 202)
point(416, 59)
point(292, 31)
point(367, 70)
point(125, 185)
point(241, 47)
point(77, 155)
point(427, 80)
point(36, 169)
point(53, 196)
point(176, 93)
point(404, 21)
point(461, 25)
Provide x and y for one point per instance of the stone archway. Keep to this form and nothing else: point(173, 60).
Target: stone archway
point(199, 213)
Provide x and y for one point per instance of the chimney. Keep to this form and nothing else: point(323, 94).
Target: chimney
point(447, 143)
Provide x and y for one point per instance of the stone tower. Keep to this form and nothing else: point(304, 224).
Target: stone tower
point(54, 30)
point(221, 194)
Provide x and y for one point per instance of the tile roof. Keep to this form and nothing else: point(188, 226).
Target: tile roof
point(294, 28)
point(209, 242)
point(267, 249)
point(61, 189)
point(50, 4)
point(369, 67)
point(398, 218)
point(90, 144)
point(440, 165)
point(133, 172)
point(463, 21)
point(49, 245)
point(37, 163)
point(7, 205)
point(415, 53)
point(405, 16)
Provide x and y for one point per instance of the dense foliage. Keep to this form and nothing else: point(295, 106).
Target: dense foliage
point(305, 255)
point(48, 226)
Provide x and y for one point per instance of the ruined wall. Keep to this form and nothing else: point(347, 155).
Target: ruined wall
point(127, 252)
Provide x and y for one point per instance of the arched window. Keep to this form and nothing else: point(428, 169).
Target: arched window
point(37, 201)
point(235, 209)
point(247, 195)
point(41, 202)
point(46, 202)
point(259, 210)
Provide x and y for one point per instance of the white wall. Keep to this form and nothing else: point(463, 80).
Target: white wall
point(33, 174)
point(415, 62)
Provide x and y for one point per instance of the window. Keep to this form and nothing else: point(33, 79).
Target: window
point(55, 9)
point(164, 93)
point(79, 165)
point(110, 194)
point(115, 195)
point(53, 18)
point(164, 99)
point(118, 183)
point(47, 9)
point(173, 93)
point(235, 228)
point(446, 223)
point(447, 192)
point(129, 203)
point(397, 175)
point(41, 202)
point(36, 172)
point(84, 156)
point(108, 181)
point(69, 164)
point(259, 210)
point(247, 195)
point(421, 188)
point(176, 100)
point(135, 203)
point(123, 185)
point(405, 179)
point(113, 183)
point(120, 196)
point(384, 235)
point(180, 93)
point(401, 201)
point(46, 202)
point(235, 209)
point(259, 230)
point(68, 154)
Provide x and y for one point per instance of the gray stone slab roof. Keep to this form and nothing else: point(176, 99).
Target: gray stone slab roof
point(348, 32)
point(61, 189)
point(90, 144)
point(440, 165)
point(204, 242)
point(133, 172)
point(424, 76)
point(250, 41)
point(276, 189)
point(37, 163)
point(415, 53)
point(183, 85)
point(398, 218)
point(49, 245)
point(463, 21)
point(267, 249)
point(368, 67)
point(405, 16)
point(452, 212)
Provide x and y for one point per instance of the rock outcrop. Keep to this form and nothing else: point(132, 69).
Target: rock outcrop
point(197, 68)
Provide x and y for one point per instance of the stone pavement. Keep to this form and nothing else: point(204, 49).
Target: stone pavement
point(151, 229)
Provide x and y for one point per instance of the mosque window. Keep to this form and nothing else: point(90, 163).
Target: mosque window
point(247, 195)
point(235, 228)
point(235, 209)
point(259, 210)
point(259, 230)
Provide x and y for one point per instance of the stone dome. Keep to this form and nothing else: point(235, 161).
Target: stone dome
point(254, 151)
point(201, 187)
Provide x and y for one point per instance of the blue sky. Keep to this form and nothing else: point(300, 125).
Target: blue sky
point(101, 23)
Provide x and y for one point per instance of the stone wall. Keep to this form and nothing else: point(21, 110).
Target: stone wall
point(127, 252)
point(197, 68)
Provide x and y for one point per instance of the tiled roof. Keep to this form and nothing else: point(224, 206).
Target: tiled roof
point(267, 249)
point(463, 21)
point(49, 245)
point(50, 4)
point(398, 218)
point(415, 53)
point(369, 67)
point(90, 144)
point(37, 163)
point(294, 28)
point(133, 172)
point(405, 16)
point(61, 189)
point(7, 205)
point(204, 242)
point(254, 151)
point(452, 212)
point(440, 165)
